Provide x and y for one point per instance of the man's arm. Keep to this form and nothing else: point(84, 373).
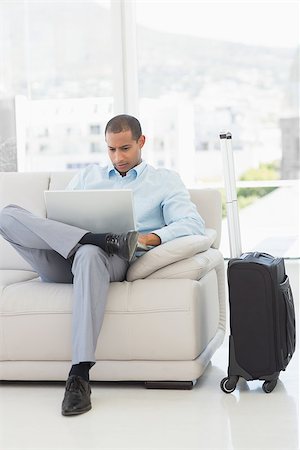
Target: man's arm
point(180, 214)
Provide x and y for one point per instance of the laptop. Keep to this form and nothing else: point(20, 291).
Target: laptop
point(98, 211)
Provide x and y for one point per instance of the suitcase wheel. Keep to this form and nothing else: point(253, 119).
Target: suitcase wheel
point(228, 384)
point(268, 386)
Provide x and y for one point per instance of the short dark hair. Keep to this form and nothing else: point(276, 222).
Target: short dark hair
point(124, 122)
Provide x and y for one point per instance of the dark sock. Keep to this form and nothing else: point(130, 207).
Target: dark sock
point(82, 369)
point(94, 239)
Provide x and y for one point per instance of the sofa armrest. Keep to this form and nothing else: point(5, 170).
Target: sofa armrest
point(169, 253)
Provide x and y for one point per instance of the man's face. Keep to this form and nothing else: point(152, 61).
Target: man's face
point(123, 150)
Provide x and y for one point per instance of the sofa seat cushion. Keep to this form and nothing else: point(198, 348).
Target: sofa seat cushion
point(8, 276)
point(169, 253)
point(36, 320)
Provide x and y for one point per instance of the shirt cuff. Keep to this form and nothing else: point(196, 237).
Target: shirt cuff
point(163, 234)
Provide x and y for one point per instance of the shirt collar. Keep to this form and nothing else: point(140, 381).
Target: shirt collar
point(137, 170)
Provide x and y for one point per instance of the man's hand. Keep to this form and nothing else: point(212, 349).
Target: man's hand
point(149, 239)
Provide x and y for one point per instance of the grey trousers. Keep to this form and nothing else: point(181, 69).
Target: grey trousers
point(52, 250)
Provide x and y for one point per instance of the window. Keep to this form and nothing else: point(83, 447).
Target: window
point(203, 68)
point(56, 61)
point(95, 147)
point(80, 165)
point(43, 148)
point(95, 129)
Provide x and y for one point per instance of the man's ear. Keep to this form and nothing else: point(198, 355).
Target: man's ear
point(141, 140)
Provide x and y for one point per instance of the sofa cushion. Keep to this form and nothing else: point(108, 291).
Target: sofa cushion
point(169, 253)
point(59, 180)
point(193, 268)
point(8, 277)
point(36, 320)
point(26, 190)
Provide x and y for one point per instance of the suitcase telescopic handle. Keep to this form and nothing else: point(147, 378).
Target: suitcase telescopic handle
point(231, 195)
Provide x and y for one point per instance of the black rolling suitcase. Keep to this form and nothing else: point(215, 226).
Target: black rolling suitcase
point(262, 320)
point(262, 317)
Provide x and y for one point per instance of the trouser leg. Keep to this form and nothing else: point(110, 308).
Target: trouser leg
point(17, 226)
point(93, 270)
point(21, 227)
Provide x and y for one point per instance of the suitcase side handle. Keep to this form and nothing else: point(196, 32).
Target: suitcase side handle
point(258, 254)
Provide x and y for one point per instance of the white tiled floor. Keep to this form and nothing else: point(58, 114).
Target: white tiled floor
point(127, 416)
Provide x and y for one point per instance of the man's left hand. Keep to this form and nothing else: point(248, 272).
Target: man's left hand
point(149, 239)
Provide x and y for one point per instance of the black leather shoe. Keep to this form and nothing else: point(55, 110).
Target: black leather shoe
point(77, 399)
point(123, 245)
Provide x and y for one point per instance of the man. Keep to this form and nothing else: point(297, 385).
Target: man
point(63, 253)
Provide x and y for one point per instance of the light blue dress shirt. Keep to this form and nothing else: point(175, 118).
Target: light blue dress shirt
point(162, 203)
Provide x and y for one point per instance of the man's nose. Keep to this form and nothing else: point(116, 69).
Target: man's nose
point(118, 156)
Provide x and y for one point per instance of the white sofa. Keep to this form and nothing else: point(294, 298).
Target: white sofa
point(162, 325)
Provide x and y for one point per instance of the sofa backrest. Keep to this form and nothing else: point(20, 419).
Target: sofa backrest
point(27, 190)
